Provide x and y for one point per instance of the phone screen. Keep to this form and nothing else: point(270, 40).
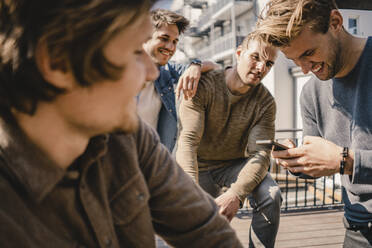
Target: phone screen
point(269, 144)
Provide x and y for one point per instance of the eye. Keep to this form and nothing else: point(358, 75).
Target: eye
point(163, 39)
point(255, 57)
point(138, 52)
point(309, 53)
point(269, 64)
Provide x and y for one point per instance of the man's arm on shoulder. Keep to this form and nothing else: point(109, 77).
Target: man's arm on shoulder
point(190, 76)
point(183, 214)
point(258, 164)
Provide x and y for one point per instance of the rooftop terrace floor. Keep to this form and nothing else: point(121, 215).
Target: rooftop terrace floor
point(321, 228)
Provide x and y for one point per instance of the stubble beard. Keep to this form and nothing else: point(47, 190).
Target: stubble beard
point(335, 59)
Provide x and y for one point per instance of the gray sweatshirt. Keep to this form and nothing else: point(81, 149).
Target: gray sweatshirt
point(340, 110)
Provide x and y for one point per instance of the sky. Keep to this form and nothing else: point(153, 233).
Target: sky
point(165, 4)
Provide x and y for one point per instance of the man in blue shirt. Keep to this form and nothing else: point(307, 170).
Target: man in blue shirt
point(156, 102)
point(337, 119)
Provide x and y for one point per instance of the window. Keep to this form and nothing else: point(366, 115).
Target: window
point(353, 25)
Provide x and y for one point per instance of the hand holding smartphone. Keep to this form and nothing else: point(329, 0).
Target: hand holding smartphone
point(271, 144)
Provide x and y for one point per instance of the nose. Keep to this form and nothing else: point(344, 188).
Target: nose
point(260, 66)
point(305, 65)
point(170, 46)
point(152, 71)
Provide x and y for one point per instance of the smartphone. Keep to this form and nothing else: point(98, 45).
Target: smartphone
point(269, 144)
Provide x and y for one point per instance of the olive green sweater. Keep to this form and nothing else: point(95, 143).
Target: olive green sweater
point(217, 127)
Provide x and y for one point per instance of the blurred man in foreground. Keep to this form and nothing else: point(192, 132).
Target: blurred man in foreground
point(77, 166)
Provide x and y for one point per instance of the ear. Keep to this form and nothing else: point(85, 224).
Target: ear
point(56, 77)
point(336, 20)
point(238, 52)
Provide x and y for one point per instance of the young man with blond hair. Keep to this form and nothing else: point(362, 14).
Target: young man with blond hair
point(335, 103)
point(219, 127)
point(77, 166)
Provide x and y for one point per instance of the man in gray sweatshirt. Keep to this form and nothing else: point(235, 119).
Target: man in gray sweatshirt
point(337, 119)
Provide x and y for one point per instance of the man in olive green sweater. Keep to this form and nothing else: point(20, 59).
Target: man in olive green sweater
point(217, 140)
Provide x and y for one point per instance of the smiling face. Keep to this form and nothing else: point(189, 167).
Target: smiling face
point(315, 52)
point(111, 105)
point(254, 62)
point(163, 44)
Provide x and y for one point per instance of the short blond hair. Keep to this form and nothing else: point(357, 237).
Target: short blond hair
point(281, 21)
point(252, 36)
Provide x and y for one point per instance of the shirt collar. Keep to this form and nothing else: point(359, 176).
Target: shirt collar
point(28, 165)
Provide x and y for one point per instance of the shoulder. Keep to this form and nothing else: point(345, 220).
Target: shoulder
point(212, 78)
point(263, 95)
point(210, 82)
point(315, 90)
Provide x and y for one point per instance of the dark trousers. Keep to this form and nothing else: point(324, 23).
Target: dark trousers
point(265, 200)
point(357, 236)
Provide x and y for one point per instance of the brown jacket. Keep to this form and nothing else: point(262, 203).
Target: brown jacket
point(121, 190)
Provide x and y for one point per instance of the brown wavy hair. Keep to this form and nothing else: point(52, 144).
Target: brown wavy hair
point(74, 32)
point(160, 17)
point(281, 21)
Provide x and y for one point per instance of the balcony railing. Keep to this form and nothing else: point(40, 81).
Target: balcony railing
point(219, 45)
point(197, 4)
point(210, 11)
point(223, 43)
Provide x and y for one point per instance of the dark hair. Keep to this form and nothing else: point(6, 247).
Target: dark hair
point(160, 17)
point(281, 21)
point(74, 33)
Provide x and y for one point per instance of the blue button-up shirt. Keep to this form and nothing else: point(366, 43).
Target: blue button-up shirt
point(165, 86)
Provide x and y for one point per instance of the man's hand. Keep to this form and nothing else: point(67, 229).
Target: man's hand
point(316, 157)
point(188, 81)
point(229, 204)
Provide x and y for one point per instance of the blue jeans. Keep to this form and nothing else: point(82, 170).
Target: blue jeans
point(265, 200)
point(357, 237)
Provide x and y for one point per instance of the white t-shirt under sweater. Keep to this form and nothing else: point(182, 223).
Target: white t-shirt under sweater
point(149, 104)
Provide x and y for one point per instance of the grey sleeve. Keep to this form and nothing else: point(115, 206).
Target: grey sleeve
point(362, 173)
point(183, 214)
point(309, 122)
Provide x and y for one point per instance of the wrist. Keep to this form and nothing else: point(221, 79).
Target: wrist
point(196, 62)
point(236, 196)
point(349, 165)
point(346, 162)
